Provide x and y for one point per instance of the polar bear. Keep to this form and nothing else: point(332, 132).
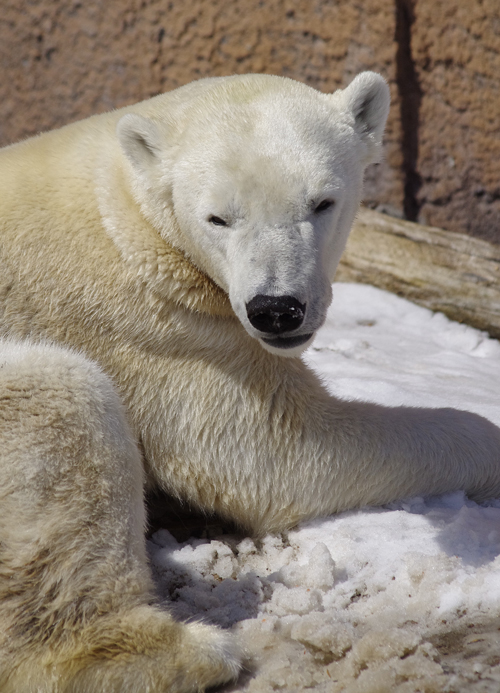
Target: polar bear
point(182, 251)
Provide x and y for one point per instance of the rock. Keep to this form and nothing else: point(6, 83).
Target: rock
point(438, 269)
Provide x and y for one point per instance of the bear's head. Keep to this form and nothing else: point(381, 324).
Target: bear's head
point(257, 179)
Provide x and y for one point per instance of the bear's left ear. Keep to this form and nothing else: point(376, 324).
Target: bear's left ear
point(140, 140)
point(367, 100)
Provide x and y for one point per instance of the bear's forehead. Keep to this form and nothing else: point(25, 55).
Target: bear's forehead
point(261, 147)
point(277, 129)
point(290, 137)
point(259, 106)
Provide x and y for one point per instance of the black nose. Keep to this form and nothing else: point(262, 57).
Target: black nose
point(275, 314)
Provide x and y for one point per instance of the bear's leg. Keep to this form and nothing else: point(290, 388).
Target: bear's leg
point(76, 606)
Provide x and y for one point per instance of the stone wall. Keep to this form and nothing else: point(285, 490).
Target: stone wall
point(456, 52)
point(65, 59)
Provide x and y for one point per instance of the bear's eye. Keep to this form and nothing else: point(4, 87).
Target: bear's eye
point(323, 206)
point(217, 221)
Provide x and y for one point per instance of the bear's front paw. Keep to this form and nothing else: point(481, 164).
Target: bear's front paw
point(209, 657)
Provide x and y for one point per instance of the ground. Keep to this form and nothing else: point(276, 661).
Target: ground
point(404, 598)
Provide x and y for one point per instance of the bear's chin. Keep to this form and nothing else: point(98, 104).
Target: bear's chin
point(288, 346)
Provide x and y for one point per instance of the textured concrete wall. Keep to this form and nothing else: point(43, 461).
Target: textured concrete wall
point(456, 49)
point(66, 59)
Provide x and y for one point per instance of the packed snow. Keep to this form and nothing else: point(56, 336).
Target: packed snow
point(402, 598)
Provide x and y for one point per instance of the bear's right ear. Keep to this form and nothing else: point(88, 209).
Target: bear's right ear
point(140, 140)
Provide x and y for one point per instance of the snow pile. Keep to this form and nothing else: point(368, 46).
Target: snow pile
point(402, 598)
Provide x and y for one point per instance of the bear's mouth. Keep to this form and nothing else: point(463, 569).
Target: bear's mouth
point(288, 342)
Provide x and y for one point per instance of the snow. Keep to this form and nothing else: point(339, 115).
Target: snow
point(381, 599)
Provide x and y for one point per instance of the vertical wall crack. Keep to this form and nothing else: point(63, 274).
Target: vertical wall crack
point(410, 97)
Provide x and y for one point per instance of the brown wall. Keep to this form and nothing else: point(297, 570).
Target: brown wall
point(65, 59)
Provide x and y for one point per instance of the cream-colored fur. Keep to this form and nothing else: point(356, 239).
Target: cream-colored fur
point(140, 238)
point(77, 611)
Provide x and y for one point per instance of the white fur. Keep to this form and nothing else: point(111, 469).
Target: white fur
point(75, 590)
point(109, 247)
point(263, 166)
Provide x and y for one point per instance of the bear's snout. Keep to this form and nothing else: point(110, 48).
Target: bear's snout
point(275, 314)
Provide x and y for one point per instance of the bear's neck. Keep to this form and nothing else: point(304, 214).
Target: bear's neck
point(164, 268)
